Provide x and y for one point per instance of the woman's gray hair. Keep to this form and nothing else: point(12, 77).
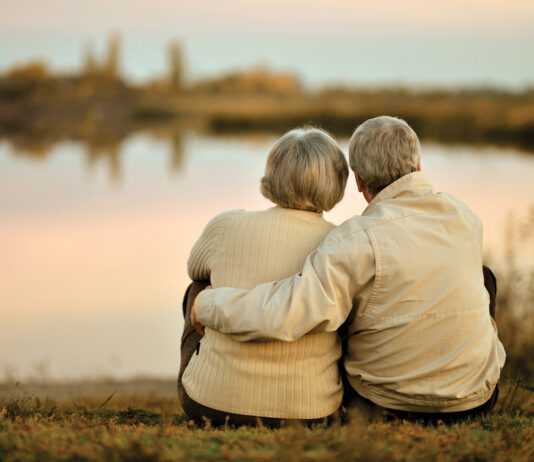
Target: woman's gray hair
point(382, 150)
point(305, 170)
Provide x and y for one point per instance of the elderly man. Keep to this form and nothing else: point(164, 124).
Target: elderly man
point(407, 278)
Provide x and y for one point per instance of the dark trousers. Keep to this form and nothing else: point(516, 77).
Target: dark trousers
point(352, 399)
point(190, 345)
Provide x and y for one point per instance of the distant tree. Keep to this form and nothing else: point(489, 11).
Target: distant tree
point(89, 62)
point(111, 65)
point(31, 71)
point(21, 80)
point(254, 81)
point(176, 65)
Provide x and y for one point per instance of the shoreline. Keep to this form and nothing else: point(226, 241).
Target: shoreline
point(63, 391)
point(39, 108)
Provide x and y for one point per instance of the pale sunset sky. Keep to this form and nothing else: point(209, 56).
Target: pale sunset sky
point(378, 42)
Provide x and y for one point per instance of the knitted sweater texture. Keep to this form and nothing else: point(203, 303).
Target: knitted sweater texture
point(293, 380)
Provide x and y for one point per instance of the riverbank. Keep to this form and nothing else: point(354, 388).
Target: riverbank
point(63, 391)
point(39, 108)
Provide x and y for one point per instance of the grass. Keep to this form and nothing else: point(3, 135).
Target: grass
point(515, 296)
point(155, 429)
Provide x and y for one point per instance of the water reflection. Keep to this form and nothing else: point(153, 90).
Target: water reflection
point(108, 152)
point(177, 158)
point(94, 238)
point(105, 150)
point(177, 153)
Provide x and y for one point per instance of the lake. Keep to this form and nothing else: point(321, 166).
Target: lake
point(94, 241)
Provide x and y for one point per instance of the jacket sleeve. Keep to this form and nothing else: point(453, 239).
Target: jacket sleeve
point(317, 300)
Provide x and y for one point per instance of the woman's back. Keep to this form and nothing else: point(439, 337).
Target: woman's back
point(297, 380)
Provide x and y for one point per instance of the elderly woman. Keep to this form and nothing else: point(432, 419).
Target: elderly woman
point(226, 380)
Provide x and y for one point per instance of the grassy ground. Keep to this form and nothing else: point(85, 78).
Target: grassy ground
point(120, 428)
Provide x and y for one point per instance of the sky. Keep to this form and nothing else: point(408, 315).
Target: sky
point(374, 42)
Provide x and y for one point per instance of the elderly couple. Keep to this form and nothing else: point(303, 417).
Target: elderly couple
point(392, 311)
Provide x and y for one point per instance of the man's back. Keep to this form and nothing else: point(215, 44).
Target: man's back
point(421, 334)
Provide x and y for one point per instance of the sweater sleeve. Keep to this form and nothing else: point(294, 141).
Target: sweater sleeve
point(199, 262)
point(317, 300)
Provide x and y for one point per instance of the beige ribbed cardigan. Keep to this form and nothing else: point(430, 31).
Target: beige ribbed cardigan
point(297, 380)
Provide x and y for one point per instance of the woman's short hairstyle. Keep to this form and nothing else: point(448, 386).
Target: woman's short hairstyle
point(305, 170)
point(382, 150)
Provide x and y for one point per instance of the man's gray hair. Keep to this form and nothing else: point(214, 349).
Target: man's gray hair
point(382, 150)
point(305, 170)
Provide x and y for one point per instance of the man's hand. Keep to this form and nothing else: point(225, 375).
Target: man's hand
point(199, 327)
point(194, 320)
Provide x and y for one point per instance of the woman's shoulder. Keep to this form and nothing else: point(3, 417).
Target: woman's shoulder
point(238, 214)
point(302, 216)
point(226, 219)
point(272, 215)
point(217, 227)
point(229, 215)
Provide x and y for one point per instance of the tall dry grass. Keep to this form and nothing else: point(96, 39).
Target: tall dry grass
point(515, 296)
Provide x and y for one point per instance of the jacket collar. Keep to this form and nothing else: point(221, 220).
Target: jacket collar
point(416, 183)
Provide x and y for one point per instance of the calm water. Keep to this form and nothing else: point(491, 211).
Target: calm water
point(93, 246)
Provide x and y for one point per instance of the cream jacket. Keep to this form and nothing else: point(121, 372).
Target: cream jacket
point(421, 337)
point(297, 380)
